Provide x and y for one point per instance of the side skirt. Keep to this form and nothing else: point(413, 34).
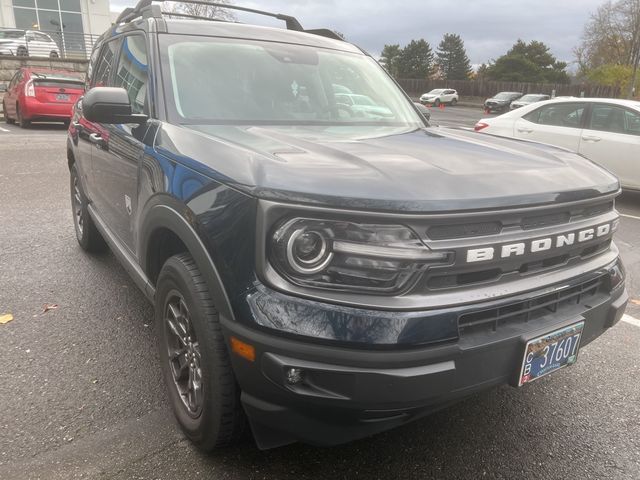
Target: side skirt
point(126, 259)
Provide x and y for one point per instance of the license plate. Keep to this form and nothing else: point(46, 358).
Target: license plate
point(550, 352)
point(62, 97)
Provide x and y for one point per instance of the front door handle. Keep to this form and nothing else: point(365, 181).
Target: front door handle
point(95, 138)
point(525, 130)
point(591, 138)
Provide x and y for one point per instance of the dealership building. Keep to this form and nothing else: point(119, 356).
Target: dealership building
point(72, 24)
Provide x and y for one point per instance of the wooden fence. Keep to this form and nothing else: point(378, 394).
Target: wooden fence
point(485, 88)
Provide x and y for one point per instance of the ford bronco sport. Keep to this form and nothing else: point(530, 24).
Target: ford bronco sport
point(322, 272)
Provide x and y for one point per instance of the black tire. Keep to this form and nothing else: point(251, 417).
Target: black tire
point(22, 52)
point(87, 234)
point(8, 120)
point(454, 101)
point(436, 103)
point(54, 54)
point(23, 123)
point(214, 419)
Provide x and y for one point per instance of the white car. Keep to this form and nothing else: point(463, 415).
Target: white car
point(606, 131)
point(440, 95)
point(23, 43)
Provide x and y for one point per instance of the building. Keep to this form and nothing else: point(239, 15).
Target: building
point(72, 24)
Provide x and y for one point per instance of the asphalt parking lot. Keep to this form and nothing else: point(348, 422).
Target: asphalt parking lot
point(82, 394)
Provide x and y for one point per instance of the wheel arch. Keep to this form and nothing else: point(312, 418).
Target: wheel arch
point(164, 232)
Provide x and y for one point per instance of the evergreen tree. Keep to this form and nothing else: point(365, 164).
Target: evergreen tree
point(389, 58)
point(529, 62)
point(452, 58)
point(415, 60)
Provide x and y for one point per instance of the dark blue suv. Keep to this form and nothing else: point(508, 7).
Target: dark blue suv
point(324, 264)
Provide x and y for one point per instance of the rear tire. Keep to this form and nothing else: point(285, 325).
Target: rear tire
point(87, 234)
point(195, 363)
point(54, 54)
point(21, 121)
point(454, 102)
point(22, 52)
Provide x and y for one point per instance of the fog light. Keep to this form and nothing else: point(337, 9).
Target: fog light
point(294, 375)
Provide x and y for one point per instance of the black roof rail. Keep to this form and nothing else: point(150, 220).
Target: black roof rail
point(145, 8)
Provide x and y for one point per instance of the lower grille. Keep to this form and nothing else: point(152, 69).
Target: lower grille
point(493, 318)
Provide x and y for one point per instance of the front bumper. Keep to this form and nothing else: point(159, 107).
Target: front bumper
point(351, 389)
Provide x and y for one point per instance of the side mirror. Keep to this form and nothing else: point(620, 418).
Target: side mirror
point(3, 87)
point(109, 105)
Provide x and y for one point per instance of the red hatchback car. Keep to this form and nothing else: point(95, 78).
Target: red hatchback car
point(39, 94)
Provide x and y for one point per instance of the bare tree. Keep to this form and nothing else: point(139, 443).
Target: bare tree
point(199, 10)
point(612, 36)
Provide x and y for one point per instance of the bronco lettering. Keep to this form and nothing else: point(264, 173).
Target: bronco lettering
point(537, 245)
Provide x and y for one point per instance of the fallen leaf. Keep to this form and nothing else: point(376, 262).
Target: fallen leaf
point(48, 306)
point(5, 318)
point(635, 302)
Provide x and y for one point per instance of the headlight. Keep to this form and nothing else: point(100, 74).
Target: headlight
point(344, 255)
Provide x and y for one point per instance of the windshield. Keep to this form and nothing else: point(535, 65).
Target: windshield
point(505, 96)
point(274, 83)
point(437, 91)
point(532, 98)
point(11, 34)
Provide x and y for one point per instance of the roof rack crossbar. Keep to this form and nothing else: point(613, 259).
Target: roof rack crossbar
point(291, 22)
point(145, 9)
point(186, 15)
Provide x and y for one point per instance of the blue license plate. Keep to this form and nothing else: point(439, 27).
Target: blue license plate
point(550, 352)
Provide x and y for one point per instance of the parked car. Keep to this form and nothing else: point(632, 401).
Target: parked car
point(501, 101)
point(606, 131)
point(24, 43)
point(326, 276)
point(41, 94)
point(528, 99)
point(361, 106)
point(439, 95)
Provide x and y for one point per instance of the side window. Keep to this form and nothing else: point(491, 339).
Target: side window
point(42, 38)
point(559, 115)
point(612, 118)
point(133, 71)
point(102, 74)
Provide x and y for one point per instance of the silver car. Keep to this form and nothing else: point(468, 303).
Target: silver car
point(23, 43)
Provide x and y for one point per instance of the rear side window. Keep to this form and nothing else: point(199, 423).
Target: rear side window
point(132, 71)
point(560, 115)
point(102, 74)
point(616, 119)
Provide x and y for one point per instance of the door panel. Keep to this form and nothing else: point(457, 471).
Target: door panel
point(612, 139)
point(557, 124)
point(117, 149)
point(560, 136)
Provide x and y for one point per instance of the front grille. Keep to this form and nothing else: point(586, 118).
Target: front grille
point(525, 311)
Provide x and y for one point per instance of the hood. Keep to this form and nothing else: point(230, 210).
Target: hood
point(5, 41)
point(386, 169)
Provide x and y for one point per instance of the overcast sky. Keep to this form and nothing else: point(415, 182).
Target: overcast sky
point(488, 27)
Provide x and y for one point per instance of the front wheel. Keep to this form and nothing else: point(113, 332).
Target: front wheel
point(54, 54)
point(436, 103)
point(195, 363)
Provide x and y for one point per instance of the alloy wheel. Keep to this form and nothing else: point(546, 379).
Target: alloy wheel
point(78, 216)
point(183, 351)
